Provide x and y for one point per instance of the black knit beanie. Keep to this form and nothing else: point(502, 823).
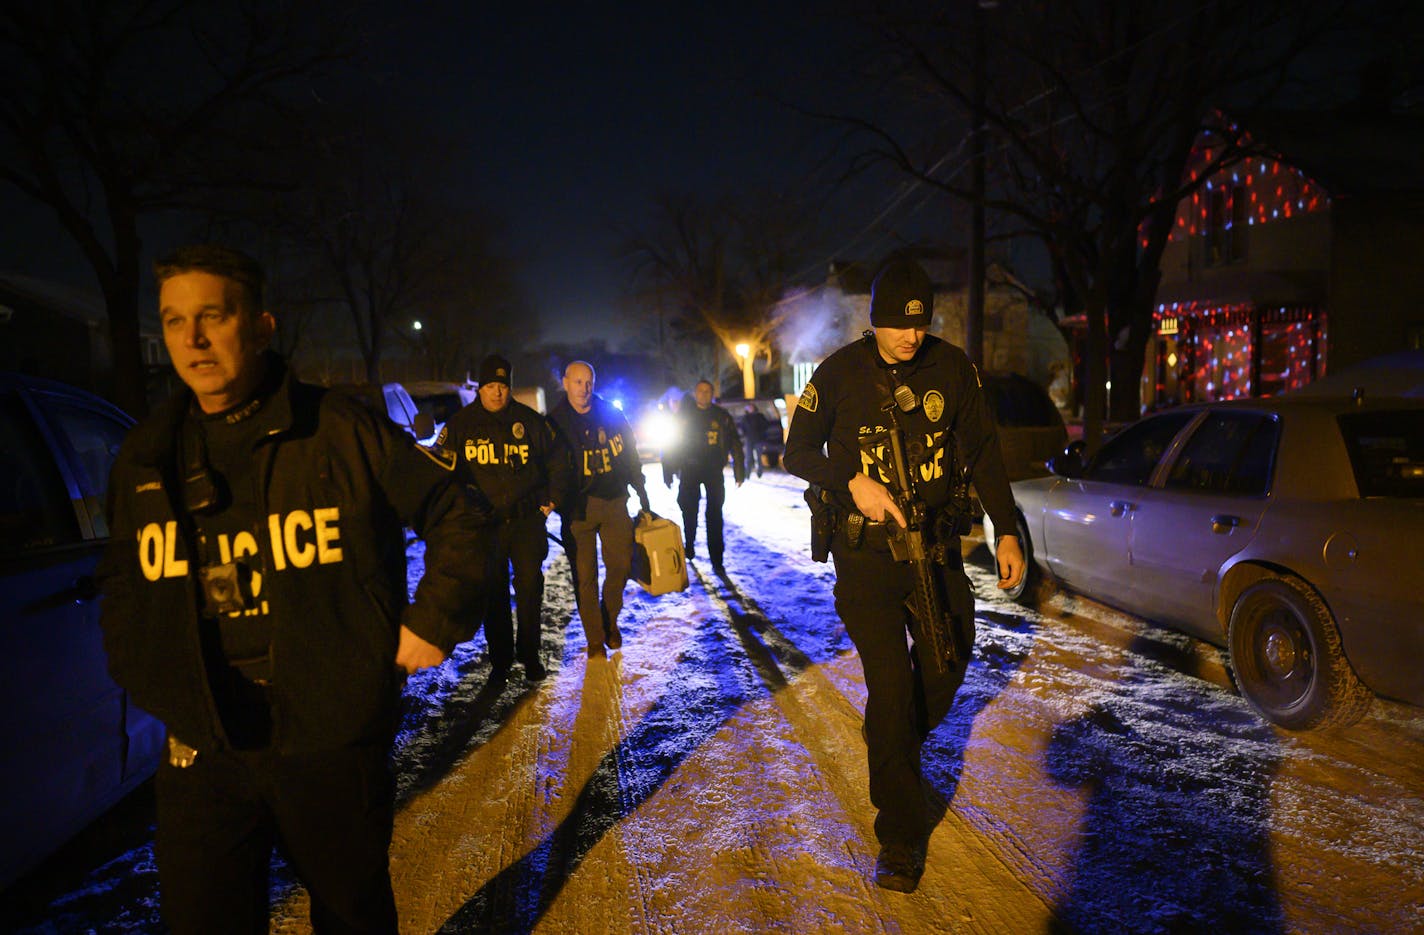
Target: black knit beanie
point(901, 295)
point(494, 369)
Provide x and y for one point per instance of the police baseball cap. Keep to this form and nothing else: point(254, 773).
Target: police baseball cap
point(494, 369)
point(901, 295)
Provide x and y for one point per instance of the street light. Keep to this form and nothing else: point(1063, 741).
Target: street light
point(744, 351)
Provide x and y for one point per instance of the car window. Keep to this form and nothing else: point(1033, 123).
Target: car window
point(94, 439)
point(1130, 455)
point(35, 511)
point(1386, 452)
point(1230, 453)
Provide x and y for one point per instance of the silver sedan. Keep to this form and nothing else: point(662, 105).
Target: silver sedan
point(1290, 531)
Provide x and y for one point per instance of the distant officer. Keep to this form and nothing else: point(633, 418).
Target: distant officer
point(512, 455)
point(605, 464)
point(754, 427)
point(706, 437)
point(255, 602)
point(833, 444)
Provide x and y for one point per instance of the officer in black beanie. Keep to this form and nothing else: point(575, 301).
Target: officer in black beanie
point(512, 454)
point(840, 410)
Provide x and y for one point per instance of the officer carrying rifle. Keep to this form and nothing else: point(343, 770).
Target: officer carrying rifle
point(879, 432)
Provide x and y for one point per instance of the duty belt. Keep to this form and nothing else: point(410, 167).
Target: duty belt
point(863, 532)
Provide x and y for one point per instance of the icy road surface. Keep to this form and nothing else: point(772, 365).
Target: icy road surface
point(1101, 775)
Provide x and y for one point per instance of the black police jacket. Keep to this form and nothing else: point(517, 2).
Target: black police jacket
point(337, 485)
point(604, 455)
point(705, 438)
point(513, 456)
point(845, 403)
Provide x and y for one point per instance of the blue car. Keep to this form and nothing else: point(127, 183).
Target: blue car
point(72, 742)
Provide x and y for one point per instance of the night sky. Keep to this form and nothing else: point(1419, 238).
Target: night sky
point(571, 122)
point(574, 122)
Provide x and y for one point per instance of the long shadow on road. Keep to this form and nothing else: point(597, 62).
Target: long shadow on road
point(715, 685)
point(1176, 835)
point(677, 724)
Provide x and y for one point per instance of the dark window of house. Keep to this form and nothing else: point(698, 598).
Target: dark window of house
point(1226, 216)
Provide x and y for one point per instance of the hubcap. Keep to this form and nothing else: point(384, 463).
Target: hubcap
point(1279, 652)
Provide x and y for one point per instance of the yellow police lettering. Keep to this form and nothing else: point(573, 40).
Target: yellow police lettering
point(512, 451)
point(870, 466)
point(150, 551)
point(934, 467)
point(300, 554)
point(327, 533)
point(244, 544)
point(173, 567)
point(615, 444)
point(481, 451)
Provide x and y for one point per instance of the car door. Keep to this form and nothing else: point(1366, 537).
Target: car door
point(71, 744)
point(1087, 519)
point(1204, 508)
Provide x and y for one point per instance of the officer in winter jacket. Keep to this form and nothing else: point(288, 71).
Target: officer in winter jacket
point(512, 455)
point(255, 601)
point(605, 464)
point(706, 437)
point(837, 442)
point(754, 429)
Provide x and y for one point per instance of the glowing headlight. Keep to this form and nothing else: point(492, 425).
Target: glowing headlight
point(658, 430)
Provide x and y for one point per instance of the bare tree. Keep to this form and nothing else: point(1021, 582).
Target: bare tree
point(721, 272)
point(115, 111)
point(1092, 110)
point(393, 244)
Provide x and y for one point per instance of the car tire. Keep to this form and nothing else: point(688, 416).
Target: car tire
point(1287, 658)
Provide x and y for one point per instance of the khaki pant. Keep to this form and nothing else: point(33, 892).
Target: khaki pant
point(609, 522)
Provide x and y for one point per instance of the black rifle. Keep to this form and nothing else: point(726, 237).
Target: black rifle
point(922, 541)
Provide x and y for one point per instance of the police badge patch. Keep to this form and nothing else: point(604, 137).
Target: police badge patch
point(444, 458)
point(934, 405)
point(808, 398)
point(517, 430)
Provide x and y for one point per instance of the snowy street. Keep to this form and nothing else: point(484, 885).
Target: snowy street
point(1100, 774)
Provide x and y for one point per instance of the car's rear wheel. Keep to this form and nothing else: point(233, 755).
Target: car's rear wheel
point(1288, 660)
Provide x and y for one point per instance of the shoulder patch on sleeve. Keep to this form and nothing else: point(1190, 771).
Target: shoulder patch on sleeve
point(808, 400)
point(443, 457)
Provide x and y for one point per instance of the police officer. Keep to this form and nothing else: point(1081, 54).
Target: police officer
point(255, 602)
point(706, 436)
point(842, 408)
point(754, 429)
point(605, 465)
point(511, 454)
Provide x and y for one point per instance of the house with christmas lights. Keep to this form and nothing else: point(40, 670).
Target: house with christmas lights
point(1307, 256)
